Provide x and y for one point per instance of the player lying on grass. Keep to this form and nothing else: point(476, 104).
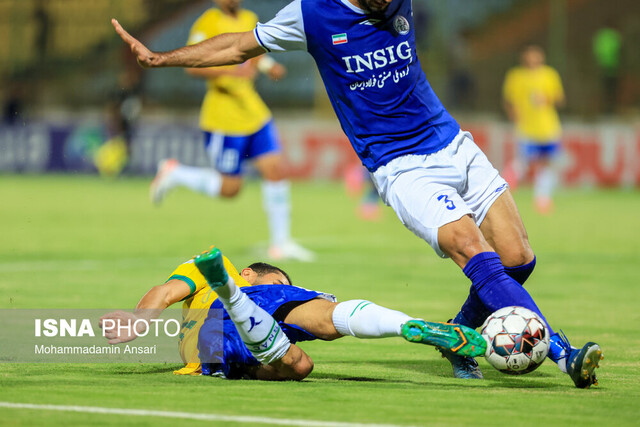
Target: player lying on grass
point(264, 316)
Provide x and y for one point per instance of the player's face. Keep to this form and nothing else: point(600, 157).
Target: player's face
point(533, 57)
point(374, 5)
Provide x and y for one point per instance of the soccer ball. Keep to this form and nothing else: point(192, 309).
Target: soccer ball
point(517, 340)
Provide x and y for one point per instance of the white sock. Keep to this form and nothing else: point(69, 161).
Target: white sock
point(201, 180)
point(259, 331)
point(364, 319)
point(277, 205)
point(545, 183)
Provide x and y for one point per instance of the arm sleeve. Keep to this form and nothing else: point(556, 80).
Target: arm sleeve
point(507, 87)
point(189, 274)
point(557, 86)
point(284, 32)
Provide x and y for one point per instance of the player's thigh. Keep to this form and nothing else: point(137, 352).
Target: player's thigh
point(495, 210)
point(316, 317)
point(426, 199)
point(505, 232)
point(483, 185)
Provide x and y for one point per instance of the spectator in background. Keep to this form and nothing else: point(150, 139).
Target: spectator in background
point(122, 111)
point(12, 108)
point(462, 85)
point(607, 46)
point(532, 92)
point(43, 24)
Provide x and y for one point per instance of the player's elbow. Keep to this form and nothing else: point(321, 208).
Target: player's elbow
point(302, 368)
point(245, 47)
point(296, 365)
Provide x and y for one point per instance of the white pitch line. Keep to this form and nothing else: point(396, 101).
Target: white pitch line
point(186, 415)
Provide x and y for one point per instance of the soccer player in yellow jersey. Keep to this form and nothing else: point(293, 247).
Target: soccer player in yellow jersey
point(187, 285)
point(532, 92)
point(263, 316)
point(237, 127)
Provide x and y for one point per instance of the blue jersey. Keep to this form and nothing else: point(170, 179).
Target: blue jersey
point(222, 349)
point(372, 74)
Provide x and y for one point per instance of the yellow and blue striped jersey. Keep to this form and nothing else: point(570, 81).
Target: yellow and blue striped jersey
point(231, 105)
point(195, 308)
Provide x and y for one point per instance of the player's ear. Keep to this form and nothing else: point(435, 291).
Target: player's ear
point(249, 275)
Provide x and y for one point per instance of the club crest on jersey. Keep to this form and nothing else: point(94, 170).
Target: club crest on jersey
point(339, 39)
point(401, 25)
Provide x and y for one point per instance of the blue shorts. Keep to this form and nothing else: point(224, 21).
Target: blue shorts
point(277, 300)
point(227, 153)
point(533, 151)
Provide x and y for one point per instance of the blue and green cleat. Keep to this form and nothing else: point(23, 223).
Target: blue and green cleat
point(463, 367)
point(211, 265)
point(581, 365)
point(457, 339)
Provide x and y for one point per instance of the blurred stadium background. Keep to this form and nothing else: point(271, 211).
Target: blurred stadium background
point(72, 240)
point(68, 83)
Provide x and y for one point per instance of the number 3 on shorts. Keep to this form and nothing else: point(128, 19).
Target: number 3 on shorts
point(449, 203)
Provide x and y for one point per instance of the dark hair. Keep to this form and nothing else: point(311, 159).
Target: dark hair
point(263, 268)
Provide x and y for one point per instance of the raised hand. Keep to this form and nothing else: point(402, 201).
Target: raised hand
point(145, 57)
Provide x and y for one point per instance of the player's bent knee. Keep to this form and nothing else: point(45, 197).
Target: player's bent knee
point(230, 187)
point(517, 254)
point(515, 259)
point(463, 248)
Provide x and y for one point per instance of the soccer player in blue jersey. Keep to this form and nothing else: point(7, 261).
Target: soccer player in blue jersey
point(262, 323)
point(441, 186)
point(245, 324)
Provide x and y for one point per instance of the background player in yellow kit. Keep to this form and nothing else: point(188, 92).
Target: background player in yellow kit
point(237, 127)
point(532, 92)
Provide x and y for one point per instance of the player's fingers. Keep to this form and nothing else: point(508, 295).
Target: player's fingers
point(122, 32)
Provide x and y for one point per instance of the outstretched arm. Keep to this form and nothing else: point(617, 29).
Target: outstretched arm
point(149, 307)
point(225, 49)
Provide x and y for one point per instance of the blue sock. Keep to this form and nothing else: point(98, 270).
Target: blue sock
point(521, 273)
point(473, 312)
point(494, 287)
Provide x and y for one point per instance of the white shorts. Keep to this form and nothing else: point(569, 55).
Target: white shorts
point(429, 191)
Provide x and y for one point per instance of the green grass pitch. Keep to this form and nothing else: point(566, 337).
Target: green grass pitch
point(81, 242)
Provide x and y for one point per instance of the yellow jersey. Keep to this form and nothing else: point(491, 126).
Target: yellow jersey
point(533, 94)
point(231, 105)
point(195, 309)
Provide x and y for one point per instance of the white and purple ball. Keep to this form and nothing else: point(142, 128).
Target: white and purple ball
point(517, 340)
